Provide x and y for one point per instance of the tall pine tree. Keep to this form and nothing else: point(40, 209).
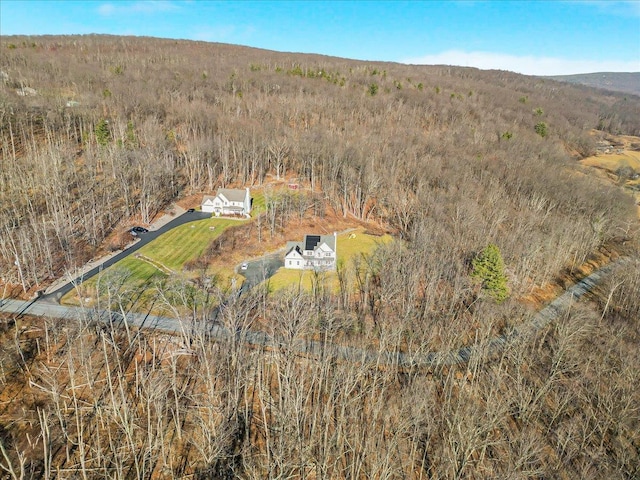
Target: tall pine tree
point(488, 266)
point(102, 132)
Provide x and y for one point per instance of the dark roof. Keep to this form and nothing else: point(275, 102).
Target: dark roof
point(311, 241)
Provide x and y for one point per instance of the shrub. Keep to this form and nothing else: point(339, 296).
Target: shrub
point(541, 129)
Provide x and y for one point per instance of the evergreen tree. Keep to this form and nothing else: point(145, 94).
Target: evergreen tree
point(488, 266)
point(102, 132)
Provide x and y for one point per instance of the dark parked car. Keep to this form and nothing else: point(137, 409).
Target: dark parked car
point(191, 210)
point(138, 230)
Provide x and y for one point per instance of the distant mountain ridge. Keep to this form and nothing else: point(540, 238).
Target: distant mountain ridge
point(624, 82)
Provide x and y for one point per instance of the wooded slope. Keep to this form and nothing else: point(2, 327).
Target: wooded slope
point(450, 153)
point(625, 82)
point(449, 159)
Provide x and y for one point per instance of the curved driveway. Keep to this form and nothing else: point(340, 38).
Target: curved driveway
point(321, 349)
point(56, 295)
point(260, 269)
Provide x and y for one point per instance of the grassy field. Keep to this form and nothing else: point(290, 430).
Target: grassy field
point(350, 245)
point(186, 242)
point(612, 162)
point(302, 280)
point(165, 255)
point(258, 204)
point(133, 278)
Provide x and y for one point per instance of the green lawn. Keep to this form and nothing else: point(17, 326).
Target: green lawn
point(139, 271)
point(186, 242)
point(354, 243)
point(349, 246)
point(258, 204)
point(134, 276)
point(169, 251)
point(301, 279)
point(168, 254)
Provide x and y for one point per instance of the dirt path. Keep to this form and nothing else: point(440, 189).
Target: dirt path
point(155, 264)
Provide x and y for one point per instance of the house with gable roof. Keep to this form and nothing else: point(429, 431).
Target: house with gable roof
point(228, 201)
point(316, 252)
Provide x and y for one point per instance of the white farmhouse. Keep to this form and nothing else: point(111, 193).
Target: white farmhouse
point(316, 252)
point(228, 201)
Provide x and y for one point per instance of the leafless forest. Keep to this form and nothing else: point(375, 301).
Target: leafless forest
point(97, 130)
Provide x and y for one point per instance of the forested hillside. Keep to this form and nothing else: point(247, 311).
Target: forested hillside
point(625, 82)
point(96, 131)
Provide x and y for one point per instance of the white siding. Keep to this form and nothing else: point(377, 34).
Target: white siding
point(207, 207)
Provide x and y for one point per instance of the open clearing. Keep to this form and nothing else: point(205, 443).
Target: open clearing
point(170, 252)
point(610, 165)
point(167, 257)
point(185, 243)
point(613, 161)
point(350, 245)
point(626, 155)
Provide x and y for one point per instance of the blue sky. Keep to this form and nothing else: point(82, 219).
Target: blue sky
point(531, 37)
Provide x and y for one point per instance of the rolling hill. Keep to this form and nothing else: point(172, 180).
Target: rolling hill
point(612, 81)
point(99, 132)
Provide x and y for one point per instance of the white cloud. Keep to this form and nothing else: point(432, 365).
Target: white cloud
point(528, 65)
point(143, 6)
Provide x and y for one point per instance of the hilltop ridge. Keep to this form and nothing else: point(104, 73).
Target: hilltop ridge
point(624, 82)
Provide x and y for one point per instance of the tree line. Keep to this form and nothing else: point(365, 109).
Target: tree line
point(106, 401)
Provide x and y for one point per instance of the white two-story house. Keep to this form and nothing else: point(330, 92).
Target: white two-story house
point(228, 201)
point(316, 252)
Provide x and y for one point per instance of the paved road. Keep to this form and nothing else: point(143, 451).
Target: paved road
point(320, 349)
point(55, 296)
